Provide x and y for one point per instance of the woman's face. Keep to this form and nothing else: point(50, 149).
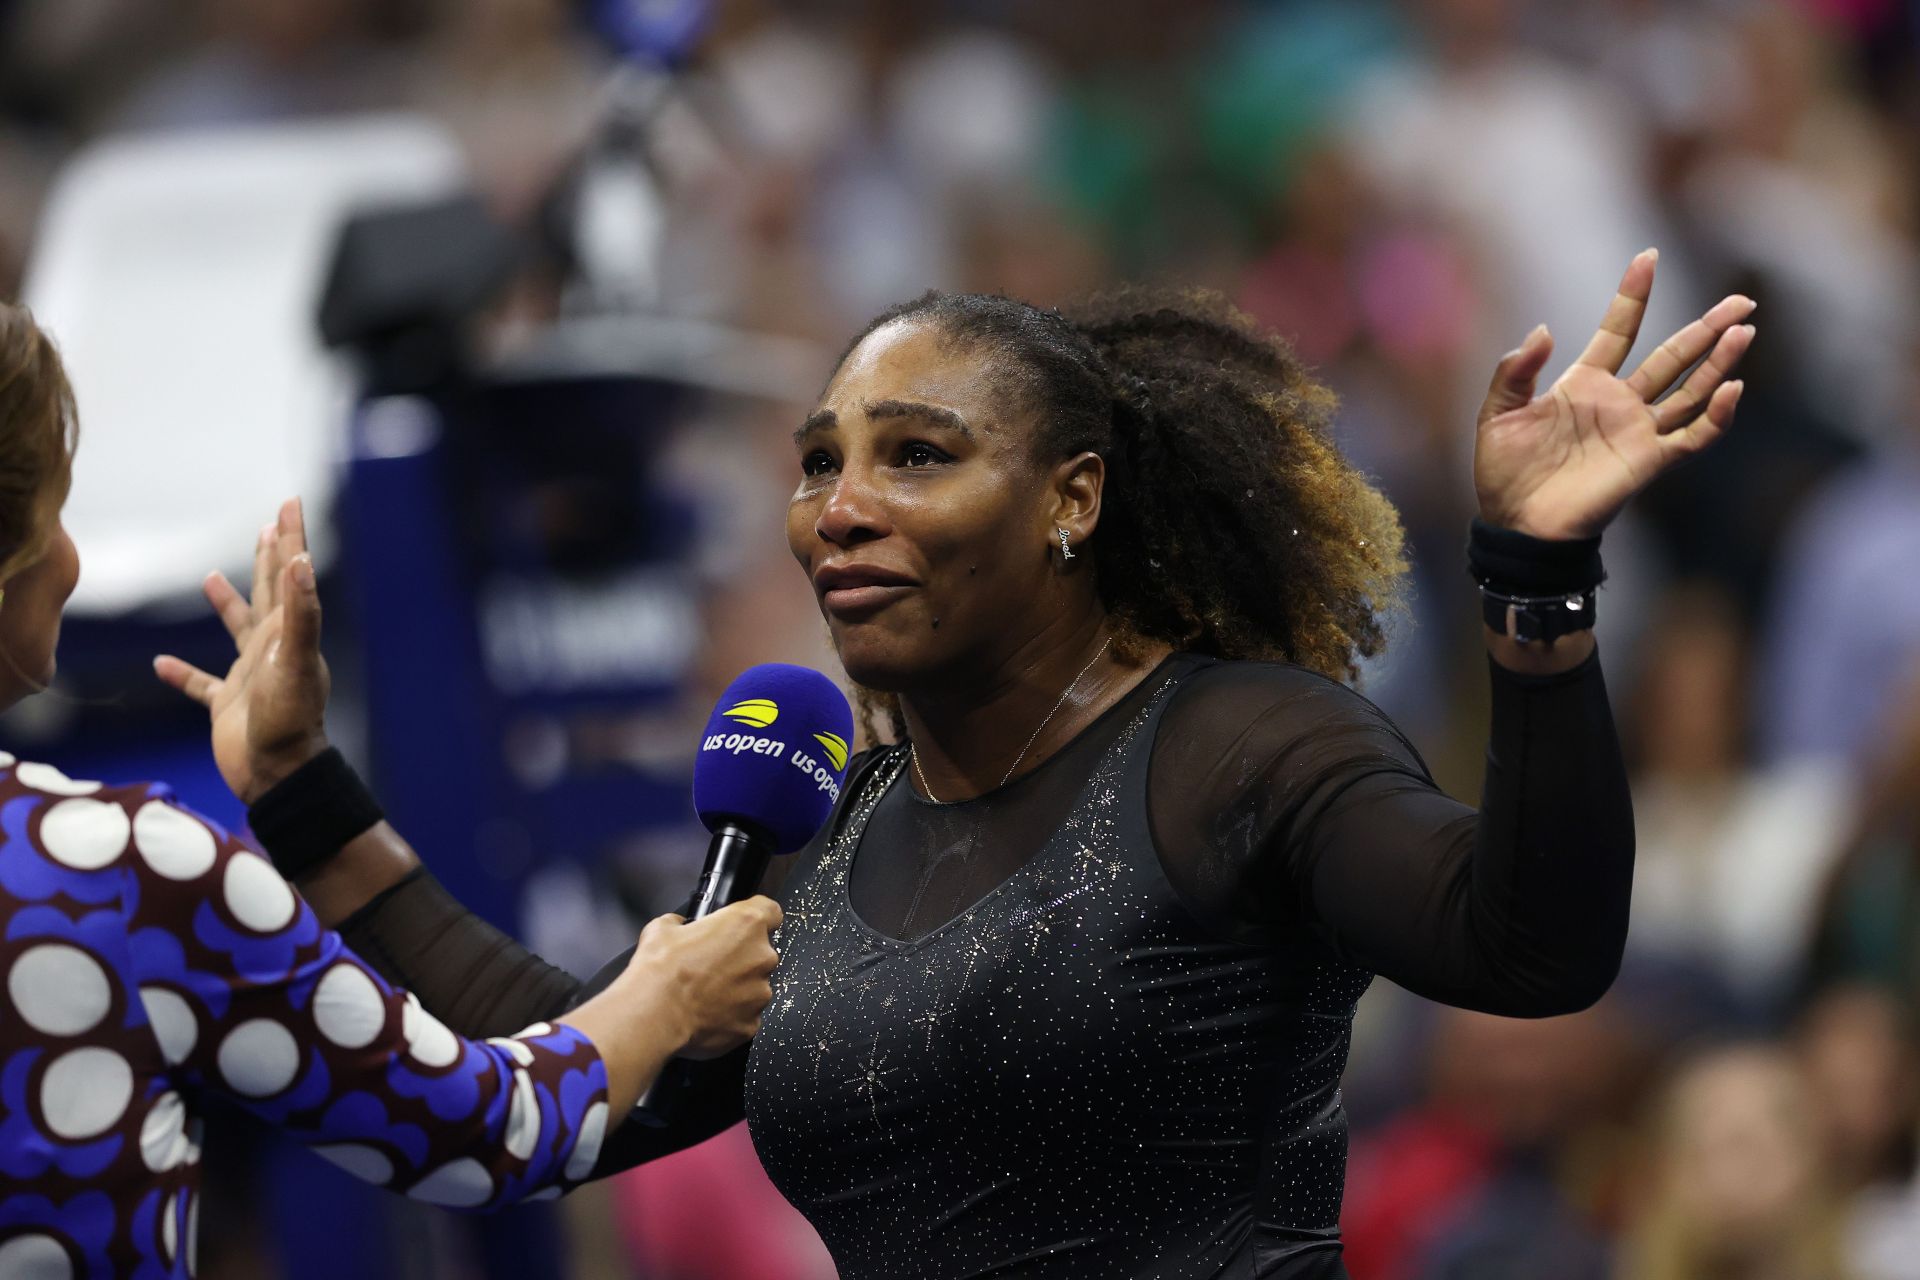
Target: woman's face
point(921, 517)
point(30, 618)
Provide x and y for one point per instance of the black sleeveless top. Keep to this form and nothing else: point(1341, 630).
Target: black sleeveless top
point(1092, 1023)
point(1072, 1077)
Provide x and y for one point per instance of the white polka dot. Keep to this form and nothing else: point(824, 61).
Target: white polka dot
point(545, 1193)
point(170, 1225)
point(347, 1007)
point(164, 1143)
point(428, 1040)
point(535, 1031)
point(44, 777)
point(173, 1023)
point(84, 1091)
point(257, 896)
point(34, 1257)
point(84, 834)
point(523, 1118)
point(175, 843)
point(6, 760)
point(459, 1184)
point(259, 1058)
point(513, 1049)
point(59, 989)
point(363, 1163)
point(593, 1128)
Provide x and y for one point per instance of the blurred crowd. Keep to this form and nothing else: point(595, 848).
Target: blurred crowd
point(1404, 189)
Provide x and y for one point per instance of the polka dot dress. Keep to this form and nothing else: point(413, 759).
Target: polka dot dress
point(1071, 1078)
point(146, 956)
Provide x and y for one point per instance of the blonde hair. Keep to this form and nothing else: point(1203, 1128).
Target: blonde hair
point(39, 427)
point(1666, 1243)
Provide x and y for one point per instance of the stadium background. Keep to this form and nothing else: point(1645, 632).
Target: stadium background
point(549, 484)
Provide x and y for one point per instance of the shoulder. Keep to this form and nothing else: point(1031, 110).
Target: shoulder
point(1247, 690)
point(87, 825)
point(1250, 708)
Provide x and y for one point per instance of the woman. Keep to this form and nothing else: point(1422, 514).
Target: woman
point(148, 957)
point(1068, 981)
point(1736, 1188)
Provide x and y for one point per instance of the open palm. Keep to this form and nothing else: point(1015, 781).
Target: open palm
point(268, 711)
point(1562, 464)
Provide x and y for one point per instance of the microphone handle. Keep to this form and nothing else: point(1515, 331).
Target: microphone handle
point(736, 860)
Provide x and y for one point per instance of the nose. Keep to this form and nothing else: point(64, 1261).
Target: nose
point(852, 514)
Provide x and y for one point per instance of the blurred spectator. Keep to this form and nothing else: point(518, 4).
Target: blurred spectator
point(273, 60)
point(1730, 855)
point(1856, 1047)
point(1735, 1189)
point(1869, 925)
point(1504, 1170)
point(1844, 632)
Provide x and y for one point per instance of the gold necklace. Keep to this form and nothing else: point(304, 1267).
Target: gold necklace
point(913, 752)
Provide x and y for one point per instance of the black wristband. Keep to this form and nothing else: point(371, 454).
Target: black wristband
point(310, 815)
point(1534, 589)
point(1519, 564)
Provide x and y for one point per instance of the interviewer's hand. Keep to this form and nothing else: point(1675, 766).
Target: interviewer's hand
point(691, 990)
point(269, 711)
point(710, 975)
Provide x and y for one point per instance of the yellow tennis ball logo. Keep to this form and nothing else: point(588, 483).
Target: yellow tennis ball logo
point(836, 748)
point(758, 712)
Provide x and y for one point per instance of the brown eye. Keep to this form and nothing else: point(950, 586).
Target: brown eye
point(816, 463)
point(917, 453)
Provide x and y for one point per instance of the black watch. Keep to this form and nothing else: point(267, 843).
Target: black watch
point(1538, 618)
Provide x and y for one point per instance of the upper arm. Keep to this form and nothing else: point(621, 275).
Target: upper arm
point(249, 994)
point(1282, 800)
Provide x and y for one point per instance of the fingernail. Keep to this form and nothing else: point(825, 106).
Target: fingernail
point(1651, 251)
point(1739, 388)
point(303, 572)
point(1539, 330)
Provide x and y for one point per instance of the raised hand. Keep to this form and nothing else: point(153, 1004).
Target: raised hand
point(269, 711)
point(1561, 465)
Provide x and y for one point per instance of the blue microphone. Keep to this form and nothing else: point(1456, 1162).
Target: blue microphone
point(771, 763)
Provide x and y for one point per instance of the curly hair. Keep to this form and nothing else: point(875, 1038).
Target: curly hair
point(38, 429)
point(1241, 530)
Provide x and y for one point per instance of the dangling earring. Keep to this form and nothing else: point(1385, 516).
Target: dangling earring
point(1066, 552)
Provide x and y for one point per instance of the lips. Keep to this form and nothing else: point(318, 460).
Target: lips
point(851, 591)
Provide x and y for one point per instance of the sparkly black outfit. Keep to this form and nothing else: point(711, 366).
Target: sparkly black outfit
point(1092, 1023)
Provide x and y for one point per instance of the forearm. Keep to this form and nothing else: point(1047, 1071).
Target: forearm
point(636, 1032)
point(1553, 852)
point(1517, 908)
point(475, 978)
point(365, 867)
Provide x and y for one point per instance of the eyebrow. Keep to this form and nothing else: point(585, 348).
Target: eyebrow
point(937, 415)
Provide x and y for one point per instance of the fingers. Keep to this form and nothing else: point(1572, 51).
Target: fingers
point(1677, 354)
point(1621, 325)
point(265, 571)
point(230, 605)
point(1706, 428)
point(1684, 405)
point(187, 678)
point(766, 910)
point(1514, 377)
point(300, 637)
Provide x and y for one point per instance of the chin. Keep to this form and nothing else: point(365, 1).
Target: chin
point(880, 662)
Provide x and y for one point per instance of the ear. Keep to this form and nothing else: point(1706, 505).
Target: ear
point(1074, 489)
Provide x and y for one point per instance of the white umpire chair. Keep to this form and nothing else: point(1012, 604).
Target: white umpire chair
point(180, 274)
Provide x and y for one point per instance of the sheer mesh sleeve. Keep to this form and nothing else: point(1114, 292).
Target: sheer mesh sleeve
point(474, 978)
point(1284, 803)
point(481, 982)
